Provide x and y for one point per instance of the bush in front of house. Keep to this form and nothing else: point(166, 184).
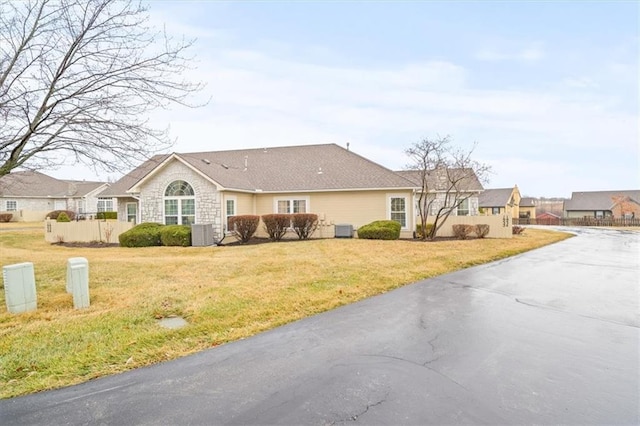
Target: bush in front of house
point(304, 224)
point(175, 235)
point(482, 230)
point(462, 231)
point(428, 229)
point(380, 230)
point(6, 217)
point(276, 225)
point(54, 214)
point(517, 230)
point(63, 217)
point(106, 215)
point(143, 235)
point(244, 226)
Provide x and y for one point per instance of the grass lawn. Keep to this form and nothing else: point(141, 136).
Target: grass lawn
point(225, 294)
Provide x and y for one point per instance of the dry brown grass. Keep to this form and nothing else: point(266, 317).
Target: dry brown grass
point(225, 293)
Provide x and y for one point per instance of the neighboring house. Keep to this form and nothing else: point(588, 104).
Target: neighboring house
point(603, 204)
point(527, 208)
point(500, 201)
point(30, 195)
point(439, 184)
point(547, 218)
point(341, 187)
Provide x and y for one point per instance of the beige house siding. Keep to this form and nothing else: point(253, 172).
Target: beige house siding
point(528, 210)
point(355, 208)
point(499, 225)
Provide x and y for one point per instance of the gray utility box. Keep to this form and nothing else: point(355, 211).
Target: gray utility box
point(202, 235)
point(20, 287)
point(344, 231)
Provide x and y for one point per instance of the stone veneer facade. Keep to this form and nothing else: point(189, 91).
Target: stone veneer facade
point(207, 197)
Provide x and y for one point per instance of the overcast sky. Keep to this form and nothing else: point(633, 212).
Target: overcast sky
point(548, 90)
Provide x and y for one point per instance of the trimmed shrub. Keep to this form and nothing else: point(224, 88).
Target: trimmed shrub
point(276, 225)
point(517, 230)
point(304, 224)
point(462, 231)
point(380, 230)
point(482, 230)
point(107, 215)
point(63, 217)
point(428, 228)
point(54, 214)
point(143, 235)
point(175, 235)
point(6, 217)
point(244, 226)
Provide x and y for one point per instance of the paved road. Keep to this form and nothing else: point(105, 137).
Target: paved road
point(546, 337)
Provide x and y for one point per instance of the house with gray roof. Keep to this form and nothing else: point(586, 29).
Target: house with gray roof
point(338, 185)
point(500, 201)
point(603, 204)
point(30, 195)
point(447, 187)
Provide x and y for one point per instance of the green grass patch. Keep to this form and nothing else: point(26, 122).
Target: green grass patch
point(225, 294)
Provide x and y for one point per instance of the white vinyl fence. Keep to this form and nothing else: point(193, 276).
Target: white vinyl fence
point(84, 231)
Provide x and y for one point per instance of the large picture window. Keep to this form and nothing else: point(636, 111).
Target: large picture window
point(11, 205)
point(398, 210)
point(179, 204)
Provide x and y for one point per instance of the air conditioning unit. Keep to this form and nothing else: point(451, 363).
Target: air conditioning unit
point(344, 231)
point(202, 235)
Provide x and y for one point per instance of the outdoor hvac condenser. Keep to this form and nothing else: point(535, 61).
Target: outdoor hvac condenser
point(344, 231)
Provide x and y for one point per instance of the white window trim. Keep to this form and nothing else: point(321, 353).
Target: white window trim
point(226, 213)
point(407, 206)
point(6, 205)
point(189, 197)
point(306, 199)
point(126, 211)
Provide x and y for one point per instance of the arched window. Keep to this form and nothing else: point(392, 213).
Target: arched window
point(179, 204)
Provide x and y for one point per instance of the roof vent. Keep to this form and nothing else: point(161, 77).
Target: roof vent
point(319, 170)
point(205, 161)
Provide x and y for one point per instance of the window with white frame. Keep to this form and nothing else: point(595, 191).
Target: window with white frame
point(11, 205)
point(230, 210)
point(132, 212)
point(292, 205)
point(105, 205)
point(495, 210)
point(398, 210)
point(179, 204)
point(463, 208)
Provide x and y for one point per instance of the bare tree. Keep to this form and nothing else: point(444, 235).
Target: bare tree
point(78, 79)
point(447, 178)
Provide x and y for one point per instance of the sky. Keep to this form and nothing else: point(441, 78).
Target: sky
point(547, 91)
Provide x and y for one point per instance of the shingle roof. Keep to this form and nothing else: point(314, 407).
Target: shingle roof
point(35, 184)
point(498, 197)
point(527, 202)
point(280, 169)
point(598, 200)
point(122, 185)
point(437, 179)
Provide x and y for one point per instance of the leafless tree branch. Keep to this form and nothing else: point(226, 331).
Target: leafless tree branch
point(78, 79)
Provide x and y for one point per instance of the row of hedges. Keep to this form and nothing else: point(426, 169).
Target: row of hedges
point(276, 225)
point(71, 215)
point(6, 217)
point(155, 234)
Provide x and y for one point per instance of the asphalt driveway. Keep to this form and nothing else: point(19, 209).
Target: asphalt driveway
point(550, 336)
